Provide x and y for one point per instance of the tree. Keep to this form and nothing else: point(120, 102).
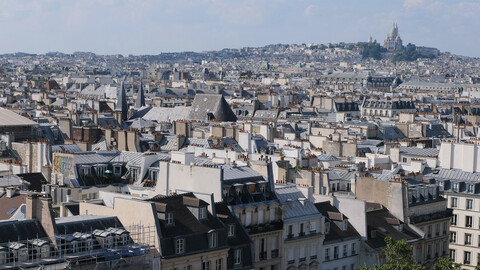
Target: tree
point(446, 264)
point(399, 257)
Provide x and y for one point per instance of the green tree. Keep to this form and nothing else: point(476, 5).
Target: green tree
point(399, 257)
point(446, 264)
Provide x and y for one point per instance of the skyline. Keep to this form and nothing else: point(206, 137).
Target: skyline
point(152, 27)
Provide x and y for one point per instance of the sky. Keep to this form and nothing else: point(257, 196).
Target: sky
point(155, 26)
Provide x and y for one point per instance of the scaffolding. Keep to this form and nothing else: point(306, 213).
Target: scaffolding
point(127, 248)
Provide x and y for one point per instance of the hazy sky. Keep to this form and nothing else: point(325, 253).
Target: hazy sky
point(155, 26)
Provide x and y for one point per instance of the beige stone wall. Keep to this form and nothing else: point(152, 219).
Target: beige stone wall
point(196, 260)
point(130, 212)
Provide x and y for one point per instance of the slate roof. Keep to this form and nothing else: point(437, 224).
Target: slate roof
point(335, 234)
point(380, 220)
point(20, 230)
point(211, 107)
point(86, 223)
point(225, 215)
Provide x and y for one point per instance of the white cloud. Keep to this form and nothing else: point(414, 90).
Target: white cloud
point(310, 10)
point(412, 3)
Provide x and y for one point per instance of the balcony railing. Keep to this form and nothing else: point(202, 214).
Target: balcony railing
point(448, 213)
point(263, 255)
point(274, 253)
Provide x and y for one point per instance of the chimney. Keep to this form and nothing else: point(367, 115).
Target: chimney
point(10, 192)
point(40, 208)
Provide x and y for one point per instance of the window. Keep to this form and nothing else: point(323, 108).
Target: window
point(437, 229)
point(231, 229)
point(354, 248)
point(455, 187)
point(335, 252)
point(272, 214)
point(290, 231)
point(452, 254)
point(274, 246)
point(170, 218)
point(212, 240)
point(202, 214)
point(248, 219)
point(469, 204)
point(219, 264)
point(468, 239)
point(260, 216)
point(206, 265)
point(238, 256)
point(404, 160)
point(117, 170)
point(468, 221)
point(453, 237)
point(429, 234)
point(291, 255)
point(352, 266)
point(188, 267)
point(180, 246)
point(466, 257)
point(444, 227)
point(302, 232)
point(313, 226)
point(345, 250)
point(134, 173)
point(470, 188)
point(453, 202)
point(327, 254)
point(454, 220)
point(313, 252)
point(302, 253)
point(327, 227)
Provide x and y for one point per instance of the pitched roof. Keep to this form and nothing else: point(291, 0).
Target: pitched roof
point(211, 107)
point(10, 119)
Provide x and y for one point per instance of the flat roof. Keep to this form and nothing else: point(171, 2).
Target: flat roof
point(9, 119)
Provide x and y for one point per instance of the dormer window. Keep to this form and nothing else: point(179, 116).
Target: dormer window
point(231, 230)
point(455, 187)
point(327, 227)
point(180, 246)
point(170, 218)
point(470, 188)
point(212, 240)
point(202, 214)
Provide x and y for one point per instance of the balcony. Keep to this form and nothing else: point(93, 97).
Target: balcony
point(291, 261)
point(345, 254)
point(290, 235)
point(448, 213)
point(327, 258)
point(275, 253)
point(301, 234)
point(302, 259)
point(262, 255)
point(313, 257)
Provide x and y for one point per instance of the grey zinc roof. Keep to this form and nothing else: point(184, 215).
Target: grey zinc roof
point(163, 114)
point(325, 157)
point(289, 196)
point(421, 152)
point(72, 148)
point(454, 174)
point(94, 157)
point(232, 173)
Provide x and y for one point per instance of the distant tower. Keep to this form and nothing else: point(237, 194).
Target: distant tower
point(370, 40)
point(121, 106)
point(393, 42)
point(140, 102)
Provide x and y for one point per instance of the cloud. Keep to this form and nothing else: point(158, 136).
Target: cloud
point(412, 3)
point(310, 10)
